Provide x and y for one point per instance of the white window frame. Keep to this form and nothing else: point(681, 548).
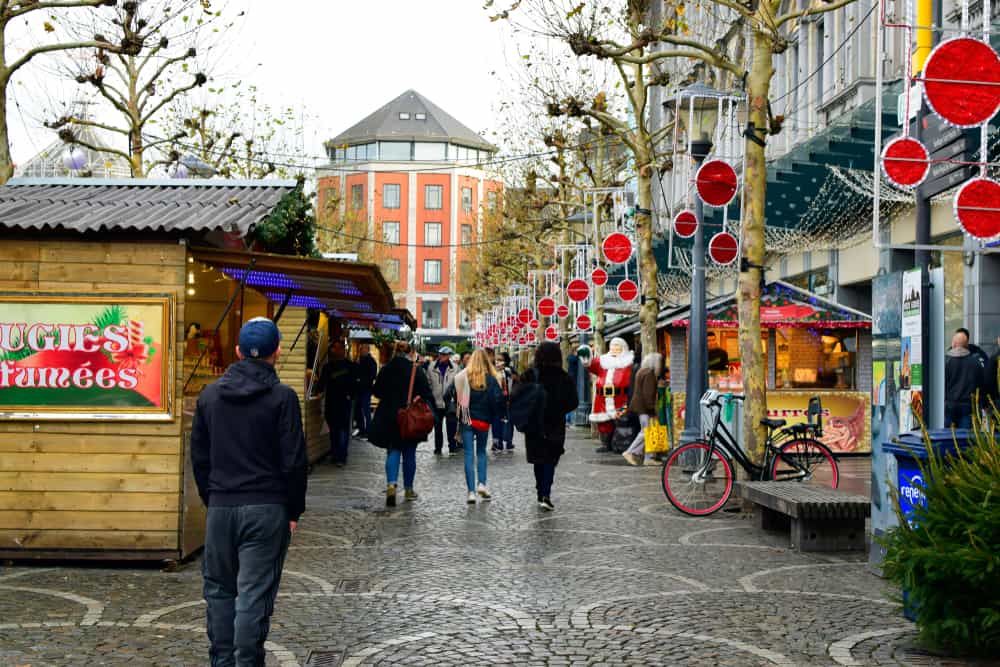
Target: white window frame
point(428, 226)
point(428, 263)
point(440, 197)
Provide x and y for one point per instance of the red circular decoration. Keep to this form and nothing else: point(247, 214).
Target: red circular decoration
point(562, 310)
point(960, 81)
point(977, 208)
point(531, 337)
point(723, 248)
point(551, 333)
point(496, 341)
point(685, 224)
point(627, 290)
point(516, 329)
point(617, 248)
point(524, 315)
point(599, 276)
point(716, 182)
point(904, 161)
point(583, 323)
point(547, 306)
point(533, 323)
point(577, 290)
point(521, 341)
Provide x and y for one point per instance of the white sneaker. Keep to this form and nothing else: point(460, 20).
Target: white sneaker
point(471, 499)
point(483, 492)
point(632, 459)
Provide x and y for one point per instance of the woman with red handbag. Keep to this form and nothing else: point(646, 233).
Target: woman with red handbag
point(480, 401)
point(396, 387)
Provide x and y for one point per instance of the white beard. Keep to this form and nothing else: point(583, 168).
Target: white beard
point(611, 362)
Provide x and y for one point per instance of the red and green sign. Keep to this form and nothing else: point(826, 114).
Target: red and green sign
point(72, 356)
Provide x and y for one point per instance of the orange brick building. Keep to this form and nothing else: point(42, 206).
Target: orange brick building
point(411, 178)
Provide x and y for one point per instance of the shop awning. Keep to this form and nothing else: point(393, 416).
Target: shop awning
point(782, 306)
point(351, 291)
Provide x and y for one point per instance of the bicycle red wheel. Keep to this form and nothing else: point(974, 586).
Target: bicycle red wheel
point(695, 484)
point(807, 462)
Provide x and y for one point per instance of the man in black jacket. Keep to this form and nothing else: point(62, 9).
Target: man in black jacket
point(339, 382)
point(367, 370)
point(993, 377)
point(964, 379)
point(249, 458)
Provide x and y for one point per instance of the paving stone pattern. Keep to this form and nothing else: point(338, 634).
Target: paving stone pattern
point(615, 576)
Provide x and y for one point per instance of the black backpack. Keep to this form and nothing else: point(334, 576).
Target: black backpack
point(527, 405)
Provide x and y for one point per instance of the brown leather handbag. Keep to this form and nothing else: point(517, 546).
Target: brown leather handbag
point(416, 420)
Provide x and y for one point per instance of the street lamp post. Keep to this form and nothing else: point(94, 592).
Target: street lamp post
point(696, 109)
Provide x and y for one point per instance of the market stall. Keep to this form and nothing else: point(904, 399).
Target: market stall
point(812, 347)
point(117, 305)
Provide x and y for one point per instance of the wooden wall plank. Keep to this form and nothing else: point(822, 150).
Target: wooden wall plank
point(150, 254)
point(172, 428)
point(58, 520)
point(68, 443)
point(23, 271)
point(87, 539)
point(21, 250)
point(90, 482)
point(111, 273)
point(133, 463)
point(86, 501)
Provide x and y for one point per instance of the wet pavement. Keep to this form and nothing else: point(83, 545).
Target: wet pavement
point(615, 576)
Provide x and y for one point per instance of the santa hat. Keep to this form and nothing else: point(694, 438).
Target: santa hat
point(620, 342)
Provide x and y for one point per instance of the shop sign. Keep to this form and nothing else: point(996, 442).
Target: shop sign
point(75, 356)
point(785, 313)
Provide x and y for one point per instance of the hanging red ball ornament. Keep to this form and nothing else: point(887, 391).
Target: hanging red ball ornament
point(977, 208)
point(617, 248)
point(583, 323)
point(522, 340)
point(577, 290)
point(905, 162)
point(723, 248)
point(551, 333)
point(562, 310)
point(524, 315)
point(962, 81)
point(531, 337)
point(685, 224)
point(547, 306)
point(599, 277)
point(716, 182)
point(533, 323)
point(627, 290)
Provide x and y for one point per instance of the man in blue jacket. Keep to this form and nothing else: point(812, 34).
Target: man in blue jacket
point(249, 458)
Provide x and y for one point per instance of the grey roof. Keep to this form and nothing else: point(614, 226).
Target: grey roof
point(91, 204)
point(385, 125)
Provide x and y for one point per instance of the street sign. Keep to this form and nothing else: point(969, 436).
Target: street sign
point(946, 142)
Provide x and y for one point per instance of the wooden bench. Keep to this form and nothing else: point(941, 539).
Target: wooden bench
point(821, 519)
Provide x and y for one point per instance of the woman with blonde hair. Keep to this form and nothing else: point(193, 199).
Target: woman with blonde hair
point(643, 404)
point(480, 401)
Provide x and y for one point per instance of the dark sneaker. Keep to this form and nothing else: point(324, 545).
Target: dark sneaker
point(602, 450)
point(437, 452)
point(410, 494)
point(390, 496)
point(546, 504)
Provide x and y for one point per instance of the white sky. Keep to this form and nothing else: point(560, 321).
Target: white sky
point(338, 61)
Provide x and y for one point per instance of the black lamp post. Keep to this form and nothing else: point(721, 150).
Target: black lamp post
point(695, 110)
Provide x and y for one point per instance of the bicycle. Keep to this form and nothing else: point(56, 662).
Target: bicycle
point(697, 477)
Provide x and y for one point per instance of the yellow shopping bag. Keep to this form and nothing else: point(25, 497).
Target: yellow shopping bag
point(656, 437)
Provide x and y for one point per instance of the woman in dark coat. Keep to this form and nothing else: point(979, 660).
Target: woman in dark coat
point(544, 449)
point(391, 388)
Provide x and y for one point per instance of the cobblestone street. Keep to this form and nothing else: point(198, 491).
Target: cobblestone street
point(614, 576)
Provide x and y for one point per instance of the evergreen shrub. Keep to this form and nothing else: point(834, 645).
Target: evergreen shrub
point(947, 558)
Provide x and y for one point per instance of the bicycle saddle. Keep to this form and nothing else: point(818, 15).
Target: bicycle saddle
point(773, 423)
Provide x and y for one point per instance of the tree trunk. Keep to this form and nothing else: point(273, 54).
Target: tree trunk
point(136, 149)
point(649, 309)
point(6, 161)
point(752, 246)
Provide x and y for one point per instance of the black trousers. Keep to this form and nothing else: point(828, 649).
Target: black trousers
point(444, 423)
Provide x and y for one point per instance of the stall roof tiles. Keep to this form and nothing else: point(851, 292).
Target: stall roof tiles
point(86, 205)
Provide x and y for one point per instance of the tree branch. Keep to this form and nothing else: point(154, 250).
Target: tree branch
point(27, 7)
point(170, 98)
point(49, 48)
point(90, 123)
point(156, 77)
point(811, 11)
point(104, 149)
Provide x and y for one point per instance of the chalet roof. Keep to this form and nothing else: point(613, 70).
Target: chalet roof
point(92, 204)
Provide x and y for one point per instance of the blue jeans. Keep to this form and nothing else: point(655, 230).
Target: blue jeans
point(958, 415)
point(409, 456)
point(340, 437)
point(503, 430)
point(474, 443)
point(363, 412)
point(245, 549)
point(544, 476)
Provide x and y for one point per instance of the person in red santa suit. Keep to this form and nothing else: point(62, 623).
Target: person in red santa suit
point(614, 376)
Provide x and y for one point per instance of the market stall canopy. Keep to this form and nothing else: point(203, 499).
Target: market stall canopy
point(783, 306)
point(352, 291)
point(93, 204)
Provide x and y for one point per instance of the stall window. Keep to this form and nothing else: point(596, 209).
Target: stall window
point(816, 358)
point(431, 315)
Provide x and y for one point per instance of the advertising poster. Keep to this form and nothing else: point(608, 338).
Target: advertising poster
point(73, 356)
point(911, 303)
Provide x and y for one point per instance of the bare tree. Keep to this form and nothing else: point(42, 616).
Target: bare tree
point(139, 88)
point(635, 39)
point(38, 14)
